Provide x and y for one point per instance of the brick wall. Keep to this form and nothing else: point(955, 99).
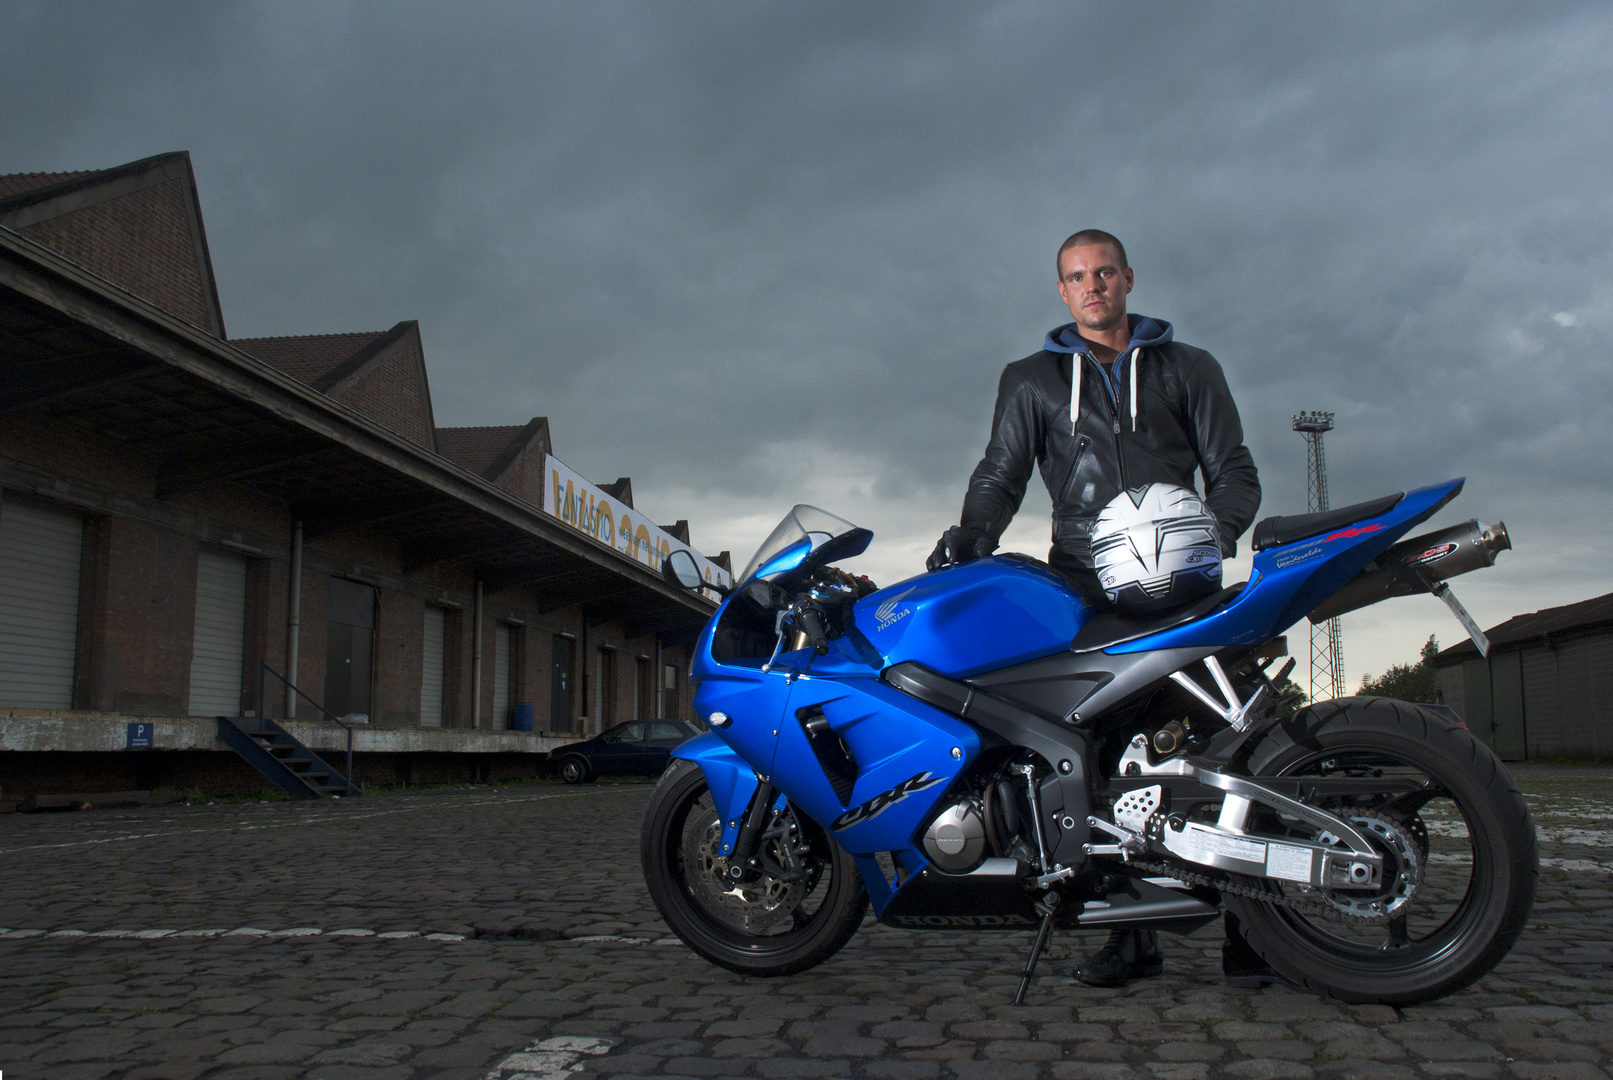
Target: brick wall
point(142, 242)
point(150, 617)
point(399, 624)
point(393, 393)
point(524, 477)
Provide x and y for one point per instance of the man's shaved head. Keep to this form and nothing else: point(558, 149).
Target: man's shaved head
point(1083, 239)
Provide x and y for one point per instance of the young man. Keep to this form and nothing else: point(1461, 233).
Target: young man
point(1110, 403)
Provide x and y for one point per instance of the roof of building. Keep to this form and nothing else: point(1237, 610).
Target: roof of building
point(475, 448)
point(1538, 626)
point(17, 183)
point(308, 357)
point(137, 226)
point(381, 373)
point(621, 490)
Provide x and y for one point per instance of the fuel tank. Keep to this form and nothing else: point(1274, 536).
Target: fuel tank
point(972, 618)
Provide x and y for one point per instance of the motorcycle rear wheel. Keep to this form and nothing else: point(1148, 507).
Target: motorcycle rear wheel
point(1469, 851)
point(764, 925)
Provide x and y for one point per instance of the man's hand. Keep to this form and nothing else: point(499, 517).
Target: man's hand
point(959, 544)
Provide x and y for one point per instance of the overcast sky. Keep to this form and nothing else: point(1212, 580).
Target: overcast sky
point(752, 254)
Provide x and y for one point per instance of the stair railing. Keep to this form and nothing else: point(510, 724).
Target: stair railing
point(263, 697)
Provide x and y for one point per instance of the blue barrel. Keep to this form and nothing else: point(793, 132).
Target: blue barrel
point(521, 719)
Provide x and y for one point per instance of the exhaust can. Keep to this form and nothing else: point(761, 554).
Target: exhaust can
point(1434, 556)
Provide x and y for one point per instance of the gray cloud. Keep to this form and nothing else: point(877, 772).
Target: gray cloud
point(751, 254)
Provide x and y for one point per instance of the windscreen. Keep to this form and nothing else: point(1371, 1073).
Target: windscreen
point(803, 529)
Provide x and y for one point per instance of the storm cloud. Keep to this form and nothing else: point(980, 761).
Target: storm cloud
point(755, 254)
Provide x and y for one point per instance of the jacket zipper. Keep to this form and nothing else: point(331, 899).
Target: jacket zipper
point(1114, 413)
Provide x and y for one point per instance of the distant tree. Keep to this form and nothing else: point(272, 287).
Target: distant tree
point(1291, 697)
point(1408, 682)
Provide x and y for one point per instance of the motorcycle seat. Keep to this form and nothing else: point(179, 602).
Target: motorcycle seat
point(1107, 628)
point(1276, 531)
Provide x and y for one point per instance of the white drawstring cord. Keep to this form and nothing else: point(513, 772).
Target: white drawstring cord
point(1136, 355)
point(1075, 391)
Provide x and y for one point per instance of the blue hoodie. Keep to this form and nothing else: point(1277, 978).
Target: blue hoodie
point(1145, 333)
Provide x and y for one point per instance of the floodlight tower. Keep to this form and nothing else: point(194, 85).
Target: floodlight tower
point(1327, 638)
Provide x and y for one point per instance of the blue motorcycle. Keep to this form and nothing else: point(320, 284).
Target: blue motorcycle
point(977, 748)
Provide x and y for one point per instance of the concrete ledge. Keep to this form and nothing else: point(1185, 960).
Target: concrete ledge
point(38, 730)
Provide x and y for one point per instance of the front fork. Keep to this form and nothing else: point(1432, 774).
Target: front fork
point(748, 840)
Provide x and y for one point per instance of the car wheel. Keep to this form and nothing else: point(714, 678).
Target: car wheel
point(575, 770)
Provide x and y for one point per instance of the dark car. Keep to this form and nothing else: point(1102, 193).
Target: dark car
point(642, 747)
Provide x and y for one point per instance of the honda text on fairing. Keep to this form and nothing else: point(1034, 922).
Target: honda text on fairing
point(977, 748)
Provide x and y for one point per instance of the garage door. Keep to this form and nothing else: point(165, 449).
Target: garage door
point(215, 666)
point(431, 666)
point(39, 571)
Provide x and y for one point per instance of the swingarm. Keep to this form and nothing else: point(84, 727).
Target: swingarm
point(1339, 854)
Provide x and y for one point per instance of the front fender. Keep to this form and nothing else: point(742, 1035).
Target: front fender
point(732, 782)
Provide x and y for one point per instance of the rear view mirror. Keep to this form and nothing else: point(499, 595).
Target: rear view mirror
point(679, 569)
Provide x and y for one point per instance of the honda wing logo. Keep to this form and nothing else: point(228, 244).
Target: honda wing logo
point(886, 615)
point(883, 801)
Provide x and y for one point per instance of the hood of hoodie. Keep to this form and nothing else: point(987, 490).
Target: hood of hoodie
point(1146, 332)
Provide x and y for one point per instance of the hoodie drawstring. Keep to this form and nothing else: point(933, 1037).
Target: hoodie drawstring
point(1136, 355)
point(1075, 391)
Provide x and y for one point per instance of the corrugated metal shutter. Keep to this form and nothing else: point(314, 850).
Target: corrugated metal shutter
point(40, 552)
point(501, 676)
point(215, 666)
point(431, 666)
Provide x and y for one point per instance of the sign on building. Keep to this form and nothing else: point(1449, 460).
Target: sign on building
point(589, 510)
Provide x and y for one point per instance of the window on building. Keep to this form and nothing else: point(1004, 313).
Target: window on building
point(433, 666)
point(562, 709)
point(349, 642)
point(219, 643)
point(40, 555)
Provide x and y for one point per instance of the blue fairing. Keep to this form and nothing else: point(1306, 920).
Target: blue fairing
point(972, 618)
point(1291, 580)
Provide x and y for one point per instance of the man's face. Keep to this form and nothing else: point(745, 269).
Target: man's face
point(1093, 284)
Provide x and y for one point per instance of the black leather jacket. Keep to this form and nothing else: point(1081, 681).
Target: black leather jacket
point(1185, 421)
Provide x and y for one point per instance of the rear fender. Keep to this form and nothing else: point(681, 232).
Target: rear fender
point(732, 782)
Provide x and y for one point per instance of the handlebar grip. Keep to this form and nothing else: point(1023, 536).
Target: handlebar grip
point(814, 631)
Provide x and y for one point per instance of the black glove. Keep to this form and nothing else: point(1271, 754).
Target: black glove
point(959, 544)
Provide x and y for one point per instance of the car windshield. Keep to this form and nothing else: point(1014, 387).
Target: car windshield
point(803, 530)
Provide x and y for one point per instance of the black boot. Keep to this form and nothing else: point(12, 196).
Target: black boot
point(1127, 955)
point(1242, 966)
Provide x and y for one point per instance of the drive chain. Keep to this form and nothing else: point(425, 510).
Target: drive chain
point(1253, 889)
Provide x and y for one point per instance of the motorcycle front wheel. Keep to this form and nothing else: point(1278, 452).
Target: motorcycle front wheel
point(761, 923)
point(1460, 864)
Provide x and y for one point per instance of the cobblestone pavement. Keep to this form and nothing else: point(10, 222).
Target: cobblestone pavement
point(507, 934)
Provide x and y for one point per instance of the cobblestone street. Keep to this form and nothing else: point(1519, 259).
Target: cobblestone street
point(475, 933)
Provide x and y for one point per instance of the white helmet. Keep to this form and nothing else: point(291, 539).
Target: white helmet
point(1156, 547)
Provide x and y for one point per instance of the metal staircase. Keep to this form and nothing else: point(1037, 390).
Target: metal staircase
point(280, 756)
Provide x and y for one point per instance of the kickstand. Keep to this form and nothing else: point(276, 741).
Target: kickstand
point(1048, 906)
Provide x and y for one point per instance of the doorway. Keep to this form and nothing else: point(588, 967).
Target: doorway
point(562, 711)
point(349, 644)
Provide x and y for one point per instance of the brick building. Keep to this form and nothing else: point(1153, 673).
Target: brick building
point(1545, 690)
point(178, 509)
